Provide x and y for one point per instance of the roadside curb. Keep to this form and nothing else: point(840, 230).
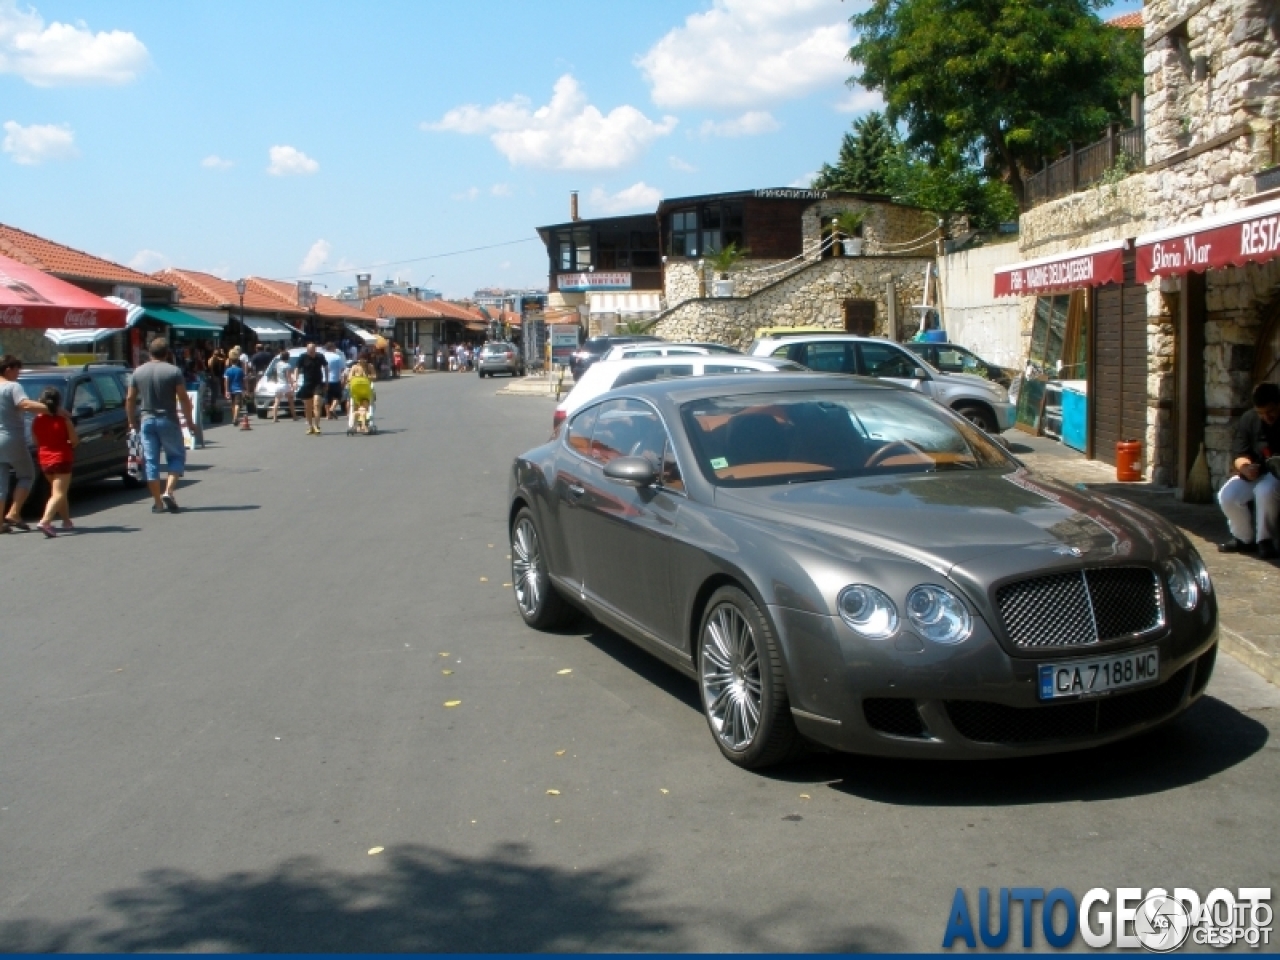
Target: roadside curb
point(1248, 653)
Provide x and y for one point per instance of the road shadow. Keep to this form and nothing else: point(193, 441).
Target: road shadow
point(421, 900)
point(233, 507)
point(646, 666)
point(1210, 738)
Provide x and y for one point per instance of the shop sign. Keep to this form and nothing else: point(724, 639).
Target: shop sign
point(564, 341)
point(1229, 240)
point(790, 194)
point(581, 282)
point(386, 323)
point(1073, 270)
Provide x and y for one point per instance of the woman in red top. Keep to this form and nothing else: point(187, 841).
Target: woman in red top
point(55, 437)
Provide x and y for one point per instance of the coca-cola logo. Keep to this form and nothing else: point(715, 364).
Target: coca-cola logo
point(11, 317)
point(81, 318)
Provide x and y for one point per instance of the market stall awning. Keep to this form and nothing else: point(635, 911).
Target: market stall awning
point(1227, 240)
point(266, 329)
point(64, 336)
point(365, 335)
point(182, 322)
point(133, 312)
point(34, 300)
point(1068, 270)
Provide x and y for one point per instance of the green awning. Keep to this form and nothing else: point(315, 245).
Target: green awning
point(185, 323)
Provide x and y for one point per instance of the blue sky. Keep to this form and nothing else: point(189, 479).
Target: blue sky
point(285, 138)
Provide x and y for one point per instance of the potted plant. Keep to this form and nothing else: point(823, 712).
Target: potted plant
point(721, 263)
point(849, 226)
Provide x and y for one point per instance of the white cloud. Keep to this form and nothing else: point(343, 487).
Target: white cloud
point(750, 124)
point(316, 257)
point(743, 53)
point(215, 162)
point(859, 100)
point(803, 183)
point(62, 54)
point(566, 134)
point(39, 143)
point(148, 261)
point(638, 196)
point(501, 190)
point(469, 194)
point(289, 162)
point(684, 166)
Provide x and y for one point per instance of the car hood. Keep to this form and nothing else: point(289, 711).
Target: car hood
point(989, 524)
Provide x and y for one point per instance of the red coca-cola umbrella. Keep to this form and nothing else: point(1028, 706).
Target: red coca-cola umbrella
point(31, 299)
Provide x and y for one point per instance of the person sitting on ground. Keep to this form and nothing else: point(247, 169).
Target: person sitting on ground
point(56, 439)
point(1255, 442)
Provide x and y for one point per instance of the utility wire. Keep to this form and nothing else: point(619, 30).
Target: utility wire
point(396, 263)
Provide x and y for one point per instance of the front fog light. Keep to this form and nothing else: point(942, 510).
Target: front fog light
point(1182, 585)
point(869, 611)
point(938, 614)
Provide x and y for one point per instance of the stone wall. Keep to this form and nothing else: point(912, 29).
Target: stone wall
point(812, 296)
point(29, 346)
point(888, 227)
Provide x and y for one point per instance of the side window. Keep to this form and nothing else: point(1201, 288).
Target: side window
point(884, 360)
point(829, 358)
point(785, 352)
point(627, 428)
point(671, 478)
point(85, 396)
point(714, 368)
point(109, 388)
point(578, 436)
point(645, 374)
point(951, 361)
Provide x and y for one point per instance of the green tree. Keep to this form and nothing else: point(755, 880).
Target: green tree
point(949, 186)
point(866, 154)
point(1009, 80)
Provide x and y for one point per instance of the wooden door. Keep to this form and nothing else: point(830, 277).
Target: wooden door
point(1118, 397)
point(860, 317)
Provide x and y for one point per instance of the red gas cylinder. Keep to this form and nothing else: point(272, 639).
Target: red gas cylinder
point(1129, 461)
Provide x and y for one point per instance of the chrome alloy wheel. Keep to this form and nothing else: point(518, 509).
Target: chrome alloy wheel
point(731, 686)
point(526, 567)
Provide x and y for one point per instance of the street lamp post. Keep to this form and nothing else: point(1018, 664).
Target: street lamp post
point(241, 285)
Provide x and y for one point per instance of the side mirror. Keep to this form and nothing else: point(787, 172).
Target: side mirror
point(919, 374)
point(84, 410)
point(633, 471)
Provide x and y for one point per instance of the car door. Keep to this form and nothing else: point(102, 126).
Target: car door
point(116, 423)
point(626, 530)
point(92, 425)
point(888, 361)
point(562, 530)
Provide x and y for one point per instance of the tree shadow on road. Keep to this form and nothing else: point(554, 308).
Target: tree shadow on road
point(1210, 738)
point(412, 899)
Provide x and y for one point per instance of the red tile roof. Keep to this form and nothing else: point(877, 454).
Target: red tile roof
point(67, 263)
point(205, 290)
point(287, 294)
point(1127, 21)
point(401, 307)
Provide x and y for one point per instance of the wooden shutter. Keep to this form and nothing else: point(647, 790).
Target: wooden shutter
point(1118, 396)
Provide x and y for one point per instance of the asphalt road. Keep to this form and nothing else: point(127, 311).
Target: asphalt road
point(210, 722)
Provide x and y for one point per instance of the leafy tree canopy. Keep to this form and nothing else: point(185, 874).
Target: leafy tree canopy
point(1008, 80)
point(866, 155)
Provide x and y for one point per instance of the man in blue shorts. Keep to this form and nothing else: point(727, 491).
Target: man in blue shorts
point(156, 394)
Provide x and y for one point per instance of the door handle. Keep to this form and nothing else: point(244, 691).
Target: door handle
point(576, 492)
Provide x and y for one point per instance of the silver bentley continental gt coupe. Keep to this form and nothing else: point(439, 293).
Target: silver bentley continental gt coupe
point(846, 562)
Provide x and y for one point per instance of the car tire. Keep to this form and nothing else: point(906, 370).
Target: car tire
point(740, 672)
point(540, 605)
point(978, 416)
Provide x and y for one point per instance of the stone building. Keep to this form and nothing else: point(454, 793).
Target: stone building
point(1171, 269)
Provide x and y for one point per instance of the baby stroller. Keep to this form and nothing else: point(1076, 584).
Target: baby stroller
point(361, 408)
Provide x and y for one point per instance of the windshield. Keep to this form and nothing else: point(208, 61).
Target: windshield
point(777, 438)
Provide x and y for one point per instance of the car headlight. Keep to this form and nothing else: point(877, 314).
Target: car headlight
point(1186, 593)
point(938, 614)
point(1201, 573)
point(869, 611)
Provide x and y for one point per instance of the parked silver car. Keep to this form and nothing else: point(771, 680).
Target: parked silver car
point(841, 560)
point(498, 356)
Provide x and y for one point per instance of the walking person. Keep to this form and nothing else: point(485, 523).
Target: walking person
point(14, 454)
point(337, 365)
point(1256, 441)
point(56, 440)
point(283, 374)
point(312, 368)
point(217, 368)
point(233, 383)
point(155, 396)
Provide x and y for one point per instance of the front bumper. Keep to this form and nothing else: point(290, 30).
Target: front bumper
point(1006, 415)
point(910, 698)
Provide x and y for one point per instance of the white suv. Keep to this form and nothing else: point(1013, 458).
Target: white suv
point(980, 401)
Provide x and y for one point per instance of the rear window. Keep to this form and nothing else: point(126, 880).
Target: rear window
point(773, 439)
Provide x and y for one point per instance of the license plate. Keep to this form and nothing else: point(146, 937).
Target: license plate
point(1081, 678)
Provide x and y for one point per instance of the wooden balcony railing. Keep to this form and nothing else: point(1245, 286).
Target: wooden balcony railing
point(1121, 152)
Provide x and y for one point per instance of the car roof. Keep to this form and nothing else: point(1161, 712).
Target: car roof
point(630, 363)
point(832, 335)
point(680, 390)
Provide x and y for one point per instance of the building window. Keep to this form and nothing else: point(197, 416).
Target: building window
point(627, 249)
point(573, 250)
point(707, 229)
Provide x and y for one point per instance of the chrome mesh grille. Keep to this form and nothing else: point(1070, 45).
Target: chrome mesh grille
point(1085, 607)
